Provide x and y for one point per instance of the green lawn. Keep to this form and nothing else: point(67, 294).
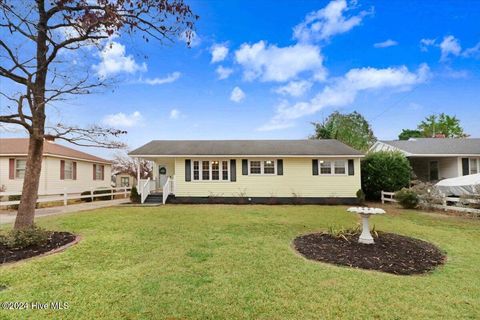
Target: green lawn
point(236, 262)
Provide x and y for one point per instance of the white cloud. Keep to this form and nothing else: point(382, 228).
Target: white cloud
point(114, 61)
point(237, 95)
point(344, 92)
point(223, 73)
point(174, 114)
point(272, 63)
point(472, 52)
point(294, 88)
point(219, 52)
point(386, 44)
point(449, 46)
point(172, 77)
point(123, 120)
point(425, 43)
point(329, 21)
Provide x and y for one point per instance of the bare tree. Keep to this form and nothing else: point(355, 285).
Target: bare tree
point(124, 164)
point(36, 38)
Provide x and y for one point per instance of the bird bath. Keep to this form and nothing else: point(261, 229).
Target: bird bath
point(365, 213)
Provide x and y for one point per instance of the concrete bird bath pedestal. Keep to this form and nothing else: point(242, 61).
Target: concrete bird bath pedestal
point(365, 213)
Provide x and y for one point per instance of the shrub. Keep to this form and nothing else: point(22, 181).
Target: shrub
point(134, 196)
point(387, 171)
point(85, 193)
point(360, 196)
point(103, 191)
point(23, 238)
point(343, 233)
point(428, 195)
point(407, 198)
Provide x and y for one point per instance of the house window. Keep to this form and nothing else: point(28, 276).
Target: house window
point(255, 167)
point(196, 170)
point(335, 167)
point(98, 172)
point(224, 170)
point(20, 166)
point(340, 167)
point(325, 167)
point(214, 170)
point(433, 170)
point(474, 165)
point(68, 170)
point(205, 170)
point(267, 167)
point(125, 182)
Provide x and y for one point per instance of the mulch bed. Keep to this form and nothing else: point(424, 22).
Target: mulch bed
point(391, 253)
point(56, 240)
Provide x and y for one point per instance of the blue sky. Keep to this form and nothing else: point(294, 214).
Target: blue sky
point(266, 69)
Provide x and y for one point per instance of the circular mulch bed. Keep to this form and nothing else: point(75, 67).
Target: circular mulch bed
point(391, 253)
point(55, 241)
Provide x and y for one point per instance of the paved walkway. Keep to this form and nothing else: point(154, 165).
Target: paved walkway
point(9, 217)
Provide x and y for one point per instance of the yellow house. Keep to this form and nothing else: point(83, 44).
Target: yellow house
point(250, 171)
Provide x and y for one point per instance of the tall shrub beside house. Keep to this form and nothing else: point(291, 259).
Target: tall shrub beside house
point(387, 171)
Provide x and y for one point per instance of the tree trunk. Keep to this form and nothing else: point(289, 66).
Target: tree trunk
point(26, 209)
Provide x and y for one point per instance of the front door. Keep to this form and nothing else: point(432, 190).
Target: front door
point(162, 174)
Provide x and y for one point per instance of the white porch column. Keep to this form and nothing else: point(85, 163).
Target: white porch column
point(138, 174)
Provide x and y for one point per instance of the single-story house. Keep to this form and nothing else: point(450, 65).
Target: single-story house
point(434, 159)
point(63, 168)
point(124, 179)
point(252, 171)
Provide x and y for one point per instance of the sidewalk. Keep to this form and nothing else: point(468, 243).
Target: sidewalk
point(9, 217)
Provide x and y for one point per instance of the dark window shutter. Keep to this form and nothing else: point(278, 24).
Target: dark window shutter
point(62, 169)
point(233, 170)
point(280, 167)
point(74, 170)
point(103, 172)
point(188, 170)
point(245, 167)
point(11, 169)
point(465, 166)
point(351, 167)
point(315, 167)
point(94, 171)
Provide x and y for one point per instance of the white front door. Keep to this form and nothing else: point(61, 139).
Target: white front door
point(162, 174)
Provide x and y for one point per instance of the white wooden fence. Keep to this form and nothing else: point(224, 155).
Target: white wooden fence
point(66, 195)
point(448, 203)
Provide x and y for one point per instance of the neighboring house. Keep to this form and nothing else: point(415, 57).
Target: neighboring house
point(122, 179)
point(63, 168)
point(434, 159)
point(253, 171)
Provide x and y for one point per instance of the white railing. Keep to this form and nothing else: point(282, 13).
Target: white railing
point(145, 190)
point(167, 189)
point(66, 195)
point(388, 197)
point(448, 203)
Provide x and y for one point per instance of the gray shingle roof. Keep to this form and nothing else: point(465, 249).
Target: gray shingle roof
point(438, 146)
point(245, 147)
